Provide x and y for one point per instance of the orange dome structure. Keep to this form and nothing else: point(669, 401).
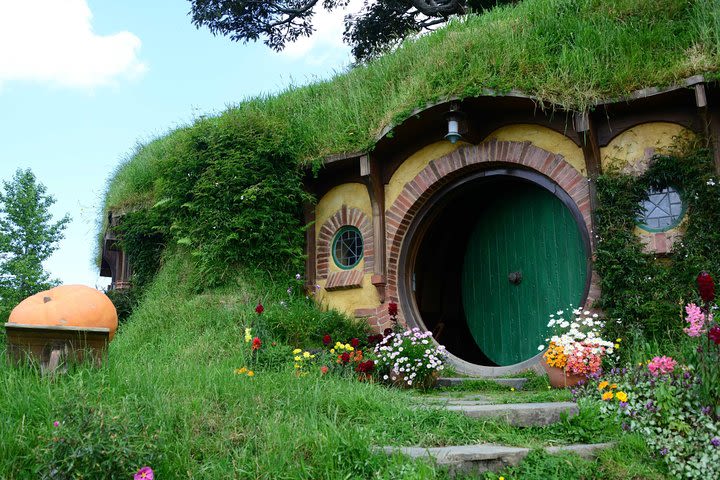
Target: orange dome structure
point(67, 306)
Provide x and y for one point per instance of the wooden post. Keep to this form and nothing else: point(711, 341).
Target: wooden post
point(711, 123)
point(371, 172)
point(585, 127)
point(310, 242)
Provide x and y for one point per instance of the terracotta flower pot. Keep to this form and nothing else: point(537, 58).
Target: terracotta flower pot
point(560, 378)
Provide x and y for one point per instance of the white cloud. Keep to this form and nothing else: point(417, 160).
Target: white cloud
point(326, 44)
point(53, 42)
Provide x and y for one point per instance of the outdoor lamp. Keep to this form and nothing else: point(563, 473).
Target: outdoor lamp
point(455, 122)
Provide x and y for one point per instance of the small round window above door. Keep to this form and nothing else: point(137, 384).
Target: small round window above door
point(347, 247)
point(662, 210)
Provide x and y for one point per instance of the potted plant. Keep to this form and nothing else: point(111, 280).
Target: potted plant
point(576, 347)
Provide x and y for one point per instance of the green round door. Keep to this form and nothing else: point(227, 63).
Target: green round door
point(525, 259)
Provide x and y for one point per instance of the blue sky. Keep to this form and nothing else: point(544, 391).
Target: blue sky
point(87, 80)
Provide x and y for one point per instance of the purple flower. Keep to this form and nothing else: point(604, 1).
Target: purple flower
point(705, 410)
point(715, 442)
point(664, 452)
point(56, 423)
point(625, 426)
point(145, 473)
point(623, 404)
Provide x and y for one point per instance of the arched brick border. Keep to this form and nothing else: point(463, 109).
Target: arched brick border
point(443, 170)
point(345, 216)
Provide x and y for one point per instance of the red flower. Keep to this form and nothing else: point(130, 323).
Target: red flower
point(706, 285)
point(365, 367)
point(354, 342)
point(345, 357)
point(327, 339)
point(387, 332)
point(256, 343)
point(323, 370)
point(392, 309)
point(259, 309)
point(375, 339)
point(714, 335)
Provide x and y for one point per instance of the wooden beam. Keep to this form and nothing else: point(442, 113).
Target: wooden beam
point(587, 130)
point(710, 119)
point(371, 172)
point(310, 245)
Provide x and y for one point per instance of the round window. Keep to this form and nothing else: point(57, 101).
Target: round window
point(662, 210)
point(347, 247)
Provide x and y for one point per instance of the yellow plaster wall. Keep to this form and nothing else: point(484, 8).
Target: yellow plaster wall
point(545, 138)
point(631, 151)
point(413, 165)
point(348, 301)
point(353, 195)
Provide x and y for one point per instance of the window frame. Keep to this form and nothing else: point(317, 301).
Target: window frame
point(683, 208)
point(335, 239)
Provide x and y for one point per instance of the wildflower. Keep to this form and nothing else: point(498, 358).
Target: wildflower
point(664, 452)
point(240, 371)
point(289, 290)
point(248, 335)
point(250, 373)
point(297, 276)
point(256, 343)
point(296, 351)
point(56, 423)
point(715, 442)
point(661, 365)
point(259, 309)
point(323, 370)
point(602, 385)
point(326, 340)
point(145, 473)
point(512, 389)
point(306, 354)
point(607, 396)
point(613, 386)
point(622, 396)
point(706, 287)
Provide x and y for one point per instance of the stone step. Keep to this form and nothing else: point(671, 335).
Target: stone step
point(487, 457)
point(516, 414)
point(516, 383)
point(440, 400)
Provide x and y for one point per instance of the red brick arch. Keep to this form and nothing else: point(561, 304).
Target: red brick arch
point(441, 171)
point(346, 216)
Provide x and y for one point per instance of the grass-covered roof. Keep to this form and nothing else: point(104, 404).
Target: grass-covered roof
point(566, 53)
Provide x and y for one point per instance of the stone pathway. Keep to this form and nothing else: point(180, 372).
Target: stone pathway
point(489, 457)
point(516, 383)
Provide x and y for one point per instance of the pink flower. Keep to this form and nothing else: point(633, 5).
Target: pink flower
point(56, 423)
point(696, 319)
point(145, 473)
point(661, 365)
point(323, 370)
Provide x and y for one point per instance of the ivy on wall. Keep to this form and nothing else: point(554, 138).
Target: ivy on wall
point(232, 199)
point(644, 290)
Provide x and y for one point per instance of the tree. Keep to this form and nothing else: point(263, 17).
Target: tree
point(379, 26)
point(27, 238)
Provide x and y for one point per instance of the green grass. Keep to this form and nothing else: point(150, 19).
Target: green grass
point(168, 397)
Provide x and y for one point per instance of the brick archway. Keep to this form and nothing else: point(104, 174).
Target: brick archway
point(444, 170)
point(346, 216)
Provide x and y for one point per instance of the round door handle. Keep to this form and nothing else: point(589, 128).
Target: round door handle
point(515, 278)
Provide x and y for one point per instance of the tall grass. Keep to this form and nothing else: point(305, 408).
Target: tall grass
point(168, 397)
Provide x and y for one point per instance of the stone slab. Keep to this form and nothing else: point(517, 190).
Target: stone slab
point(519, 414)
point(481, 458)
point(516, 383)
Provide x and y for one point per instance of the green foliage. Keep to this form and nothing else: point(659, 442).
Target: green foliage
point(27, 238)
point(125, 301)
point(646, 292)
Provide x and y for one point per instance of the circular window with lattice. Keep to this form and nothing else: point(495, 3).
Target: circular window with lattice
point(347, 248)
point(662, 210)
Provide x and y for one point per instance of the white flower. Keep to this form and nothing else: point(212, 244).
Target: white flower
point(297, 276)
point(541, 348)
